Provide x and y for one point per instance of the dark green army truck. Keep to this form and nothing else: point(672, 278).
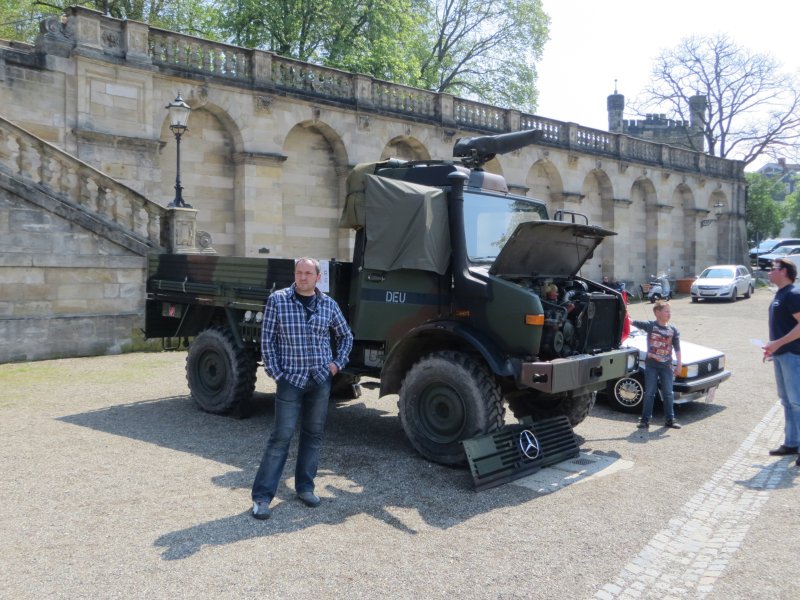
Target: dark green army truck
point(445, 295)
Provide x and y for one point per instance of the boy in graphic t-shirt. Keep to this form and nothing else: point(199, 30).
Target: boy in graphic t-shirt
point(662, 339)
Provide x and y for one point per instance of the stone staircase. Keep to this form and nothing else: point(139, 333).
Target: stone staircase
point(45, 175)
point(73, 248)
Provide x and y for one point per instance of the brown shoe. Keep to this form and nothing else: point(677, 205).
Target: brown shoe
point(783, 451)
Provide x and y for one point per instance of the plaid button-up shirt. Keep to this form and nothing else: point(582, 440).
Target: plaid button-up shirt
point(296, 343)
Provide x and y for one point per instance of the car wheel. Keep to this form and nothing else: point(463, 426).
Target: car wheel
point(733, 295)
point(626, 394)
point(749, 291)
point(695, 299)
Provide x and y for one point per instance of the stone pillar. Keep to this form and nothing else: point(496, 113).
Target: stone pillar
point(179, 231)
point(136, 36)
point(445, 109)
point(262, 66)
point(363, 90)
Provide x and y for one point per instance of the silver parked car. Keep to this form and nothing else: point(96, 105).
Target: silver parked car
point(702, 370)
point(765, 260)
point(727, 282)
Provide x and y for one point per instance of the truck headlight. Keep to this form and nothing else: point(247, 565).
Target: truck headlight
point(688, 371)
point(248, 315)
point(259, 317)
point(721, 362)
point(632, 360)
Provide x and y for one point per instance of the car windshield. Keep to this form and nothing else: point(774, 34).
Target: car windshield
point(717, 273)
point(490, 220)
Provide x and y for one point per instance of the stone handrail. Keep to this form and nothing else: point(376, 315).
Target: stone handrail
point(90, 32)
point(78, 184)
point(167, 48)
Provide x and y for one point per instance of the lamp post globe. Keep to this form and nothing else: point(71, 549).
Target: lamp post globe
point(178, 117)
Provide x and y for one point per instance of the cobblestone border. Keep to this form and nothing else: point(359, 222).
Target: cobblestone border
point(688, 557)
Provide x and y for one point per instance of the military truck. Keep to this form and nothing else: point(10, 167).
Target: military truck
point(445, 295)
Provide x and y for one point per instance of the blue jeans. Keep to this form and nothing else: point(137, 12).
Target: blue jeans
point(787, 377)
point(310, 405)
point(658, 377)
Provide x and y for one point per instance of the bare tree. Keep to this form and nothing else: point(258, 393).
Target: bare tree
point(753, 107)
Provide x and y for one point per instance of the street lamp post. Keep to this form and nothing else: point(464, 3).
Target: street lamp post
point(178, 116)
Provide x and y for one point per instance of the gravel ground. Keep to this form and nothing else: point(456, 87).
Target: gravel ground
point(114, 485)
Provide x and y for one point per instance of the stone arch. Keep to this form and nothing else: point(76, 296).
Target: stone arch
point(312, 190)
point(597, 200)
point(207, 173)
point(643, 230)
point(405, 147)
point(684, 231)
point(544, 183)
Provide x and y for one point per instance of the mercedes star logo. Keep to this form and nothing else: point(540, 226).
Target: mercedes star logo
point(529, 444)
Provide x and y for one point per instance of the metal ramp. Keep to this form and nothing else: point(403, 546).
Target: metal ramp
point(519, 450)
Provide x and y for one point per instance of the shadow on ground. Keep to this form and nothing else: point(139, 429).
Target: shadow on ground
point(367, 467)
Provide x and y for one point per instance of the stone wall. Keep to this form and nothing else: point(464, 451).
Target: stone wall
point(64, 290)
point(271, 141)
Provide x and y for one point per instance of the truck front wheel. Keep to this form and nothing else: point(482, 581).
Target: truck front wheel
point(447, 397)
point(220, 374)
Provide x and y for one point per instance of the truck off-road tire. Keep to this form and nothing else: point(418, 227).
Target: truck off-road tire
point(447, 397)
point(626, 394)
point(576, 408)
point(219, 373)
point(345, 387)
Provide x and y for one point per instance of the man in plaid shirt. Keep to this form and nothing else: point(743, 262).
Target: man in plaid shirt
point(298, 355)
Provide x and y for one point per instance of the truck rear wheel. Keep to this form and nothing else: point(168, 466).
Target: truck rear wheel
point(575, 408)
point(220, 374)
point(447, 397)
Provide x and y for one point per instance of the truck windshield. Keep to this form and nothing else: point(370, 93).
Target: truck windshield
point(490, 220)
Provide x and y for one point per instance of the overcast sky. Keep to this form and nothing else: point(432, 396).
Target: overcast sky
point(594, 42)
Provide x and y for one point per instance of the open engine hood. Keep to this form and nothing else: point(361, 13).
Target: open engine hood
point(548, 248)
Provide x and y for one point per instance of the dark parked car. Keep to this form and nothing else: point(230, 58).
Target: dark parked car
point(703, 369)
point(771, 245)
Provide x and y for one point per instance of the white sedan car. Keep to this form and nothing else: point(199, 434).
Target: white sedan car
point(726, 282)
point(702, 370)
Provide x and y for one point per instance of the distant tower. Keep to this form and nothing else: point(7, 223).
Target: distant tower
point(616, 106)
point(698, 110)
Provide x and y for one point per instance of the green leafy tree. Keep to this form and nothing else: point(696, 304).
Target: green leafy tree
point(485, 50)
point(376, 37)
point(19, 19)
point(764, 216)
point(753, 107)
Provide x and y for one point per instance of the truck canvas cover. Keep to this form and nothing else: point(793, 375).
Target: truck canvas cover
point(406, 224)
point(548, 248)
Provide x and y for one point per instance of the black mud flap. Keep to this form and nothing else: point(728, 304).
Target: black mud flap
point(519, 450)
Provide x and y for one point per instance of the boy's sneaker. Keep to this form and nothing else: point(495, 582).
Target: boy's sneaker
point(672, 424)
point(261, 510)
point(643, 424)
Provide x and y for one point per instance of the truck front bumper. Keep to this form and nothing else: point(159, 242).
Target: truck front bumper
point(584, 371)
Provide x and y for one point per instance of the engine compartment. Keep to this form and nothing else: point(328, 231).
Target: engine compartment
point(580, 316)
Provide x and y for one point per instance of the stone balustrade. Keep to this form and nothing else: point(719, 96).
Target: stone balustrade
point(80, 185)
point(90, 32)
